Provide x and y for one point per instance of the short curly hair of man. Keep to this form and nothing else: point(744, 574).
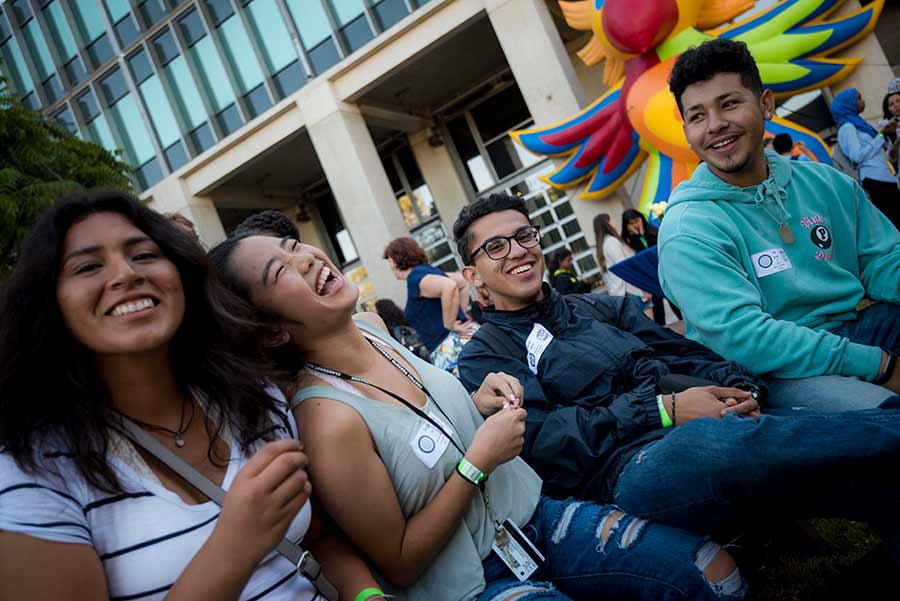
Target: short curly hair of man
point(405, 253)
point(268, 222)
point(709, 59)
point(494, 203)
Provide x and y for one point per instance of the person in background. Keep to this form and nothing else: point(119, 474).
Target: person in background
point(112, 312)
point(432, 302)
point(611, 249)
point(640, 235)
point(890, 106)
point(184, 224)
point(399, 328)
point(271, 221)
point(560, 266)
point(784, 145)
point(867, 149)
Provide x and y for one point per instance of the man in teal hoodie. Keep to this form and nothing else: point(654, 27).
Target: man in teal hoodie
point(769, 258)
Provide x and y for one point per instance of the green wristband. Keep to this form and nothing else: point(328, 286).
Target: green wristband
point(663, 416)
point(471, 473)
point(368, 593)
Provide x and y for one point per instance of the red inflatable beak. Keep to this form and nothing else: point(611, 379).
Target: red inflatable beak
point(638, 26)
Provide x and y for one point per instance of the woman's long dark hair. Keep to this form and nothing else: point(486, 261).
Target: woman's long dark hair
point(49, 390)
point(633, 240)
point(555, 259)
point(390, 313)
point(603, 228)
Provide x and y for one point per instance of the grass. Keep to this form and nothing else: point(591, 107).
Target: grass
point(790, 566)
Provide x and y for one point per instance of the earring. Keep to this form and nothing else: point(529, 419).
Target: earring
point(768, 115)
point(284, 337)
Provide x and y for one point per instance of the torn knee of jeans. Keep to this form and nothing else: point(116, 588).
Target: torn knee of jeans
point(606, 526)
point(719, 569)
point(631, 532)
point(523, 592)
point(565, 520)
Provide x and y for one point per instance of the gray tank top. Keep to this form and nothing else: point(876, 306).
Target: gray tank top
point(513, 488)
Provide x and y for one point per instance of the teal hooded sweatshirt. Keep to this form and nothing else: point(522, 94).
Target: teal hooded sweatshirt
point(762, 302)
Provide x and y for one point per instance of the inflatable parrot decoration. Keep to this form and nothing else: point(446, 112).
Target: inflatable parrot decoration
point(638, 120)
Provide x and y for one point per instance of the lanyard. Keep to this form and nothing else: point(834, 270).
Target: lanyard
point(415, 381)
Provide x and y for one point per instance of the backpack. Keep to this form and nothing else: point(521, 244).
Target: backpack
point(842, 163)
point(498, 342)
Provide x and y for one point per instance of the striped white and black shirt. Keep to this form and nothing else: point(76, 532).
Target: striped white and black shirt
point(146, 537)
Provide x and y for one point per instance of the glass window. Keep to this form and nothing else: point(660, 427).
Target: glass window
point(271, 34)
point(186, 96)
point(98, 131)
point(389, 12)
point(53, 88)
point(37, 48)
point(140, 66)
point(324, 55)
point(162, 116)
point(310, 20)
point(211, 74)
point(100, 51)
point(14, 65)
point(166, 48)
point(176, 155)
point(239, 54)
point(388, 163)
point(507, 157)
point(229, 120)
point(113, 87)
point(257, 100)
point(346, 10)
point(31, 102)
point(75, 71)
point(67, 120)
point(21, 11)
point(500, 113)
point(88, 20)
point(357, 32)
point(290, 79)
point(117, 9)
point(127, 31)
point(219, 10)
point(191, 26)
point(87, 104)
point(60, 33)
point(5, 31)
point(148, 174)
point(202, 137)
point(152, 11)
point(130, 126)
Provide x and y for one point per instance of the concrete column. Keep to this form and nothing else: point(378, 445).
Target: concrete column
point(544, 73)
point(357, 179)
point(172, 196)
point(442, 178)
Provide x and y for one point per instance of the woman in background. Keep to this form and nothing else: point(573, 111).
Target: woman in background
point(611, 249)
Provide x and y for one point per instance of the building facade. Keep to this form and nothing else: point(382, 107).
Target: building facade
point(363, 120)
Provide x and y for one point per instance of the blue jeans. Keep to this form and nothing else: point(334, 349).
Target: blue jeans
point(877, 325)
point(710, 474)
point(639, 560)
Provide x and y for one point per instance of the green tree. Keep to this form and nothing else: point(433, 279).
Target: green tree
point(40, 160)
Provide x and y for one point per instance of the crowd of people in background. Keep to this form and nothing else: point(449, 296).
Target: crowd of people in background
point(188, 424)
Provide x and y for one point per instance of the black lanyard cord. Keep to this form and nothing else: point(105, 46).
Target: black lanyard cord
point(393, 395)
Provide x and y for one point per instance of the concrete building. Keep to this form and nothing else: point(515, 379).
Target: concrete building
point(363, 120)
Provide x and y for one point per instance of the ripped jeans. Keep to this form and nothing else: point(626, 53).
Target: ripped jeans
point(596, 551)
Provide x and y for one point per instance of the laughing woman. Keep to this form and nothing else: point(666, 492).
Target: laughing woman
point(111, 312)
point(427, 483)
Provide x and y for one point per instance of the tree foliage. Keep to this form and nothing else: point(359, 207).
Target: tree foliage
point(40, 160)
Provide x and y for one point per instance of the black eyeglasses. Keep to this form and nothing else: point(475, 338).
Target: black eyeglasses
point(498, 247)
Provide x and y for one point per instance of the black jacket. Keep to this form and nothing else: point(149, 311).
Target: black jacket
point(592, 404)
point(566, 282)
point(634, 241)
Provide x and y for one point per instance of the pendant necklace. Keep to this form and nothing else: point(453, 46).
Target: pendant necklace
point(182, 427)
point(784, 230)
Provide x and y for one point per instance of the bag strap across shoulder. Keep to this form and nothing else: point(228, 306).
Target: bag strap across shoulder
point(305, 563)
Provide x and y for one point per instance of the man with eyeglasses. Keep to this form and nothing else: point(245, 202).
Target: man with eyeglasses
point(597, 379)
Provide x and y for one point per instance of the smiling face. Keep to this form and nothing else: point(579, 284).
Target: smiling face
point(293, 281)
point(118, 294)
point(636, 226)
point(894, 104)
point(513, 282)
point(724, 123)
